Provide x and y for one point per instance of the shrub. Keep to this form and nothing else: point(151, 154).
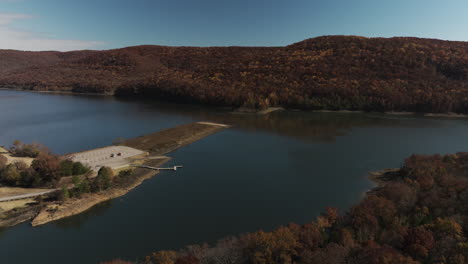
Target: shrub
point(84, 186)
point(124, 173)
point(76, 180)
point(66, 167)
point(65, 193)
point(3, 162)
point(79, 168)
point(11, 175)
point(26, 150)
point(30, 178)
point(47, 166)
point(103, 179)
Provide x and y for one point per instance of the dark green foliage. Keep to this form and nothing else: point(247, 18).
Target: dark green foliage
point(124, 173)
point(84, 186)
point(65, 194)
point(46, 169)
point(66, 167)
point(106, 172)
point(79, 168)
point(70, 168)
point(103, 180)
point(11, 175)
point(81, 186)
point(76, 180)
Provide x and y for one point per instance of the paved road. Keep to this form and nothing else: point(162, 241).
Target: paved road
point(24, 196)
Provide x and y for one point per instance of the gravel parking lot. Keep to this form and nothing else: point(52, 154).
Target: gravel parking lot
point(115, 157)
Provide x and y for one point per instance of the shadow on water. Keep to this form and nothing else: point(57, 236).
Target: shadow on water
point(77, 221)
point(3, 230)
point(267, 171)
point(303, 125)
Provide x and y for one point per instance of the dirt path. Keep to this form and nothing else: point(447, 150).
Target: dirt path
point(13, 191)
point(25, 196)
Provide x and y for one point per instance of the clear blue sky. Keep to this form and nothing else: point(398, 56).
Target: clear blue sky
point(103, 24)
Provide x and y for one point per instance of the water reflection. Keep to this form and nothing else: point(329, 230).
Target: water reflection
point(267, 171)
point(77, 221)
point(303, 125)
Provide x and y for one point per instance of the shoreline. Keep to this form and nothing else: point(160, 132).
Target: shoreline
point(57, 92)
point(76, 206)
point(379, 177)
point(157, 144)
point(241, 110)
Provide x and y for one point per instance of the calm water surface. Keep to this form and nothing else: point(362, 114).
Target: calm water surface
point(265, 172)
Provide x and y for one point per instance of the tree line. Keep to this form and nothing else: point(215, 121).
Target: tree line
point(46, 168)
point(330, 72)
point(418, 215)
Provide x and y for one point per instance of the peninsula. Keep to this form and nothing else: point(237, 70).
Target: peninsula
point(73, 183)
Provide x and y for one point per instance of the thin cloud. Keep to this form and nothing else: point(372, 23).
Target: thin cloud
point(13, 38)
point(6, 19)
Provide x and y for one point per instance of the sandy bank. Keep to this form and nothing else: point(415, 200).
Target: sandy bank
point(381, 177)
point(339, 111)
point(71, 207)
point(18, 215)
point(6, 206)
point(400, 113)
point(450, 115)
point(247, 110)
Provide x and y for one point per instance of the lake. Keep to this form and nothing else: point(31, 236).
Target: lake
point(264, 172)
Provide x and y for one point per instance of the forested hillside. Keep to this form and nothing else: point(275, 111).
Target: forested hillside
point(331, 72)
point(418, 215)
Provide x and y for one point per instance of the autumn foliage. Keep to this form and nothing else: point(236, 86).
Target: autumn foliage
point(417, 215)
point(330, 72)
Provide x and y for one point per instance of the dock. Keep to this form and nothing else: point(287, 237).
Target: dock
point(155, 168)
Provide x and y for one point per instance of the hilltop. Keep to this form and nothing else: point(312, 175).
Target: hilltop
point(330, 72)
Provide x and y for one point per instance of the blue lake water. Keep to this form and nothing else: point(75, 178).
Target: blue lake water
point(264, 172)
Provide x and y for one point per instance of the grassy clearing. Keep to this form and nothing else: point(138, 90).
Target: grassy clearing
point(11, 159)
point(11, 191)
point(5, 206)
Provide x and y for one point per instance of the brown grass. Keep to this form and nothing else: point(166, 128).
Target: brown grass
point(168, 140)
point(11, 191)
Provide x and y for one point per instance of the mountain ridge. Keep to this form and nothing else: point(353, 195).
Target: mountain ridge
point(327, 72)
